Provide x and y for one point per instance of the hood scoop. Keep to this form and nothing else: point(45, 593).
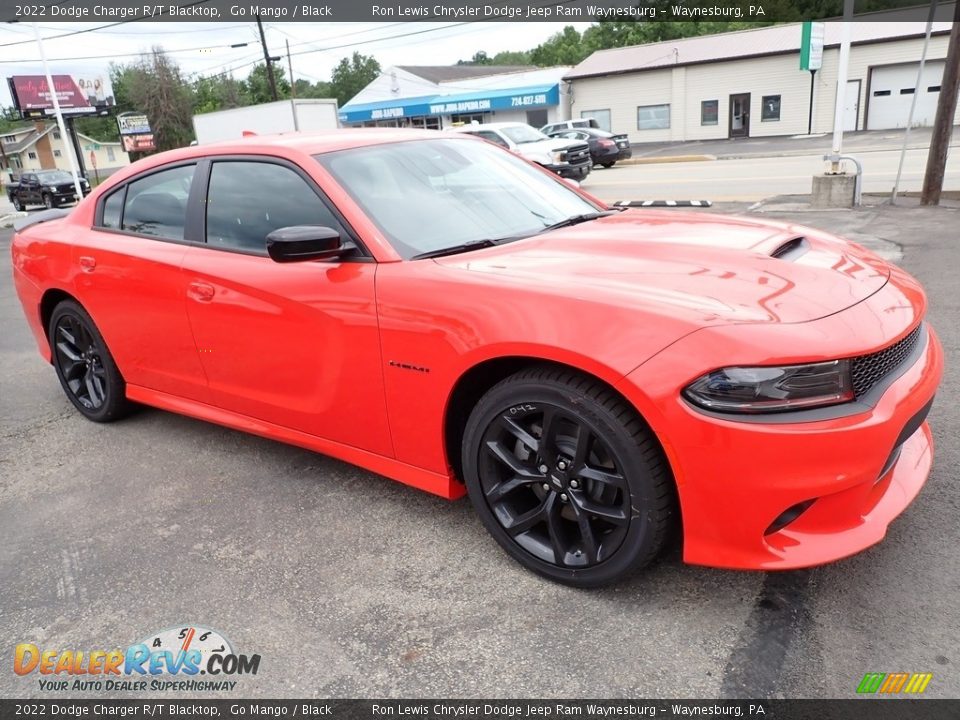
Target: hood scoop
point(792, 249)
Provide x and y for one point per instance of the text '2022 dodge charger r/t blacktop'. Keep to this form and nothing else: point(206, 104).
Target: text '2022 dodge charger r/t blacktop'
point(443, 312)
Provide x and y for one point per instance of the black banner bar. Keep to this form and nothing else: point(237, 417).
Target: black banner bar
point(853, 709)
point(456, 10)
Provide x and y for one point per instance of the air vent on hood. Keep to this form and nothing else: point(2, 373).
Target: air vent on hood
point(791, 249)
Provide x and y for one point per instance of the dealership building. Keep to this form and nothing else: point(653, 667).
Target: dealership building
point(749, 83)
point(436, 97)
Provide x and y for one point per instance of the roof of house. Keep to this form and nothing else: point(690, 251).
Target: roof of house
point(26, 141)
point(18, 130)
point(445, 73)
point(772, 40)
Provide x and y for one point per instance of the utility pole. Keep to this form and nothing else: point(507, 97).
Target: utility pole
point(293, 86)
point(266, 56)
point(943, 123)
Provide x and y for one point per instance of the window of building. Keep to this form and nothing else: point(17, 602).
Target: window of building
point(32, 155)
point(56, 134)
point(906, 91)
point(601, 116)
point(653, 117)
point(111, 156)
point(112, 207)
point(770, 108)
point(157, 204)
point(240, 215)
point(709, 112)
point(881, 93)
point(933, 88)
point(56, 153)
point(9, 138)
point(468, 118)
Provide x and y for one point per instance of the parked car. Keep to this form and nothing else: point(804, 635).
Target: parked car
point(605, 148)
point(567, 158)
point(434, 309)
point(45, 187)
point(553, 127)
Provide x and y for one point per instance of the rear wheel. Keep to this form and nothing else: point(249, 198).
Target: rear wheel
point(84, 365)
point(567, 478)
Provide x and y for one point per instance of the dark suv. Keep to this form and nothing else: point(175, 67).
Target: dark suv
point(45, 187)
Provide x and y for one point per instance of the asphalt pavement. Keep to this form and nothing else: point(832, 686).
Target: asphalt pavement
point(348, 584)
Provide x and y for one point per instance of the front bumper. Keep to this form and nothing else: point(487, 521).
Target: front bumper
point(860, 465)
point(577, 172)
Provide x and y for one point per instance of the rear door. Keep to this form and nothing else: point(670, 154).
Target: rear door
point(29, 189)
point(129, 280)
point(294, 344)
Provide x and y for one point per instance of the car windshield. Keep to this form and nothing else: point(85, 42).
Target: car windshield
point(54, 176)
point(523, 134)
point(434, 194)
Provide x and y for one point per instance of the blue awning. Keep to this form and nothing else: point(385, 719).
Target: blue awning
point(523, 98)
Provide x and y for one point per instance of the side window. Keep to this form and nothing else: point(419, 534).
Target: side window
point(247, 200)
point(492, 137)
point(157, 204)
point(112, 207)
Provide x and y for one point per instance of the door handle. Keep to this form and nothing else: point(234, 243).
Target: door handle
point(87, 263)
point(201, 291)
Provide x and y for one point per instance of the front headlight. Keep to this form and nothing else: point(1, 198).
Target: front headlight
point(557, 157)
point(772, 389)
point(51, 188)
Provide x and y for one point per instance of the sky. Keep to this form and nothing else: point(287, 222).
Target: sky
point(204, 47)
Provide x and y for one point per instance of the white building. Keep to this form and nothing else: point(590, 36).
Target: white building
point(40, 147)
point(749, 83)
point(435, 97)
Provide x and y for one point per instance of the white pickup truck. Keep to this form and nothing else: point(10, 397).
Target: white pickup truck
point(567, 158)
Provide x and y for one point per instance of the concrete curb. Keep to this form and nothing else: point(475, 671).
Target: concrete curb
point(7, 220)
point(666, 159)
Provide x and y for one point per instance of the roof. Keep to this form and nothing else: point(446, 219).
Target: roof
point(25, 142)
point(772, 40)
point(445, 73)
point(18, 130)
point(98, 142)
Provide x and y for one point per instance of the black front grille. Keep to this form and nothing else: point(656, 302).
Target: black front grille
point(868, 370)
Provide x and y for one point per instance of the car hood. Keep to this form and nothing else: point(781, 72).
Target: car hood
point(714, 269)
point(547, 146)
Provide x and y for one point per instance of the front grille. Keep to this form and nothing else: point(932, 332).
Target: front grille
point(868, 370)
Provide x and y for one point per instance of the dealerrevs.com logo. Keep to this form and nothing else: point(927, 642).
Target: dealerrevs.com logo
point(172, 660)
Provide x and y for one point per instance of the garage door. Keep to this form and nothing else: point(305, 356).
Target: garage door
point(891, 92)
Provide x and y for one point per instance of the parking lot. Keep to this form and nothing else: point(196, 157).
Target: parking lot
point(350, 585)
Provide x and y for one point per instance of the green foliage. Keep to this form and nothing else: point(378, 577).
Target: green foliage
point(256, 88)
point(155, 86)
point(351, 75)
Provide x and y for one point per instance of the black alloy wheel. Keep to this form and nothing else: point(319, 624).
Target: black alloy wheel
point(17, 205)
point(48, 201)
point(567, 477)
point(86, 369)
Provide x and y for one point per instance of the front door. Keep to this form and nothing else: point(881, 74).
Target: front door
point(740, 115)
point(851, 105)
point(293, 344)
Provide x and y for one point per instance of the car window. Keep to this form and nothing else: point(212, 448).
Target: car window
point(247, 200)
point(112, 208)
point(491, 136)
point(28, 178)
point(157, 204)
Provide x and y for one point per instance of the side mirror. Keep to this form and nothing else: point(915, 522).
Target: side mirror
point(306, 242)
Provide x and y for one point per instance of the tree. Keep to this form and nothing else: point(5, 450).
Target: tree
point(217, 92)
point(351, 75)
point(155, 86)
point(256, 88)
point(564, 48)
point(306, 89)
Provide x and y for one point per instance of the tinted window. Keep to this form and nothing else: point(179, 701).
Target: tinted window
point(247, 201)
point(491, 136)
point(157, 204)
point(112, 207)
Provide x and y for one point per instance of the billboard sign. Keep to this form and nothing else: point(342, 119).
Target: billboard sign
point(135, 132)
point(77, 94)
point(811, 46)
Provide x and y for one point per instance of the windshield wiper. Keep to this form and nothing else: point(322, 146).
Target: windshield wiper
point(576, 220)
point(454, 249)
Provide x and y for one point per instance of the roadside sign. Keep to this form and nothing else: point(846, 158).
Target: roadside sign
point(811, 45)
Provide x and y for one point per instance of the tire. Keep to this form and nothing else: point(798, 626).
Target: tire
point(17, 205)
point(580, 513)
point(48, 202)
point(609, 164)
point(84, 365)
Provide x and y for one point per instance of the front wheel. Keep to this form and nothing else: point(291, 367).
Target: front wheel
point(567, 477)
point(17, 205)
point(84, 365)
point(609, 164)
point(48, 201)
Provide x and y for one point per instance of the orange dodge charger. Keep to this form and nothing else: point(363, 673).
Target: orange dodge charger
point(435, 309)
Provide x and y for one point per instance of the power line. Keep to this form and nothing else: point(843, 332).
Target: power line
point(22, 61)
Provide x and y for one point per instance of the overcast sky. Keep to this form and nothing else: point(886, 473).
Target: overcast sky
point(204, 47)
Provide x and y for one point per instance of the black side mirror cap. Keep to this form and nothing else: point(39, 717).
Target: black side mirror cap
point(300, 243)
